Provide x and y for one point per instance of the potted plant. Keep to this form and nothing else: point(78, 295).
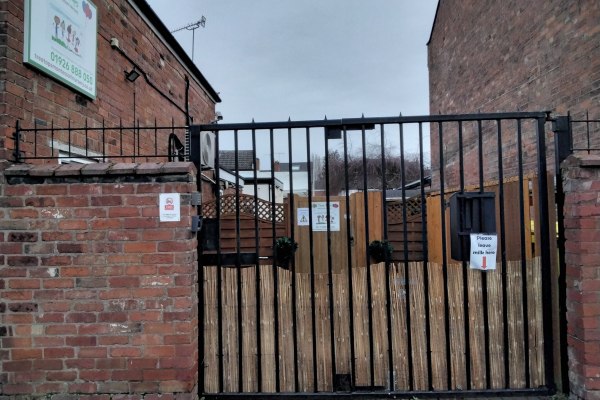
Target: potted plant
point(380, 251)
point(285, 248)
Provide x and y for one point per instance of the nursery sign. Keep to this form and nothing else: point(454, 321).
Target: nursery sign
point(60, 40)
point(320, 214)
point(483, 251)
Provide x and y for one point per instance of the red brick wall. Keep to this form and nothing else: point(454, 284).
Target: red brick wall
point(512, 55)
point(581, 176)
point(29, 96)
point(98, 296)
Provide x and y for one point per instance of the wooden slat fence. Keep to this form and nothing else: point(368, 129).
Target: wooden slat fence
point(400, 275)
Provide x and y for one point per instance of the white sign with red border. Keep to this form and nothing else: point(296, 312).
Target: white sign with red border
point(169, 207)
point(483, 251)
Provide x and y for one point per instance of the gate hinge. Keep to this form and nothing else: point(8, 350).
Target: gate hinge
point(196, 199)
point(196, 223)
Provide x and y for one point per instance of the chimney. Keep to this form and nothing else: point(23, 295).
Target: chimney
point(257, 164)
point(276, 166)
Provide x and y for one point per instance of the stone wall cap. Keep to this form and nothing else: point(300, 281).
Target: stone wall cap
point(43, 170)
point(69, 169)
point(18, 170)
point(96, 169)
point(590, 160)
point(178, 167)
point(149, 168)
point(122, 168)
point(582, 160)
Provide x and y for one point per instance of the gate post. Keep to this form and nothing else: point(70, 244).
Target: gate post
point(563, 147)
point(581, 179)
point(545, 255)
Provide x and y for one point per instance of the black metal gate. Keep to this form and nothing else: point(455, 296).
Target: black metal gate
point(335, 257)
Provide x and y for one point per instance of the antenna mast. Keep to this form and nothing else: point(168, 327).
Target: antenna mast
point(192, 27)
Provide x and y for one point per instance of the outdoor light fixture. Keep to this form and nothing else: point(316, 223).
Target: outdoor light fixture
point(218, 117)
point(132, 75)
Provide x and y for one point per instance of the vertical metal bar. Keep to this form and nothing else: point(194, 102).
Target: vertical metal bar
point(503, 256)
point(312, 270)
point(545, 232)
point(369, 283)
point(238, 266)
point(220, 332)
point(350, 243)
point(425, 261)
point(86, 137)
point(587, 124)
point(257, 271)
point(52, 136)
point(156, 134)
point(103, 141)
point(121, 136)
point(275, 268)
point(69, 136)
point(293, 236)
point(35, 135)
point(18, 142)
point(484, 291)
point(134, 140)
point(444, 258)
point(465, 269)
point(137, 132)
point(329, 263)
point(406, 265)
point(522, 225)
point(388, 293)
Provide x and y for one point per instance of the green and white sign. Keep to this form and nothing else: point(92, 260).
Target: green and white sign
point(61, 40)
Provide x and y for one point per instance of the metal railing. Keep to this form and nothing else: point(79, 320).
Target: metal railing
point(585, 134)
point(89, 144)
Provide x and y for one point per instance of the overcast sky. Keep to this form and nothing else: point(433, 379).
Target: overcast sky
point(304, 59)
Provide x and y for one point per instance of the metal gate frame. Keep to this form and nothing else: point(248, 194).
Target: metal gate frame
point(342, 126)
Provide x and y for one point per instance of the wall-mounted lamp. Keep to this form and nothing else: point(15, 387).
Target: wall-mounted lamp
point(132, 75)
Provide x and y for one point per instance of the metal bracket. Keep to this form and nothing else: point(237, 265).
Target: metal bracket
point(196, 199)
point(196, 223)
point(563, 140)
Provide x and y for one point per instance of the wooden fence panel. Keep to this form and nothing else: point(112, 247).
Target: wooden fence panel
point(417, 304)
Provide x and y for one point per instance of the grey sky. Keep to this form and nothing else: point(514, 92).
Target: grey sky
point(306, 59)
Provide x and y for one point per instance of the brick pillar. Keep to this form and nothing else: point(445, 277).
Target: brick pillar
point(98, 295)
point(581, 177)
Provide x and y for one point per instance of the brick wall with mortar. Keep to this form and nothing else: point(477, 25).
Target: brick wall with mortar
point(30, 96)
point(490, 56)
point(98, 296)
point(581, 177)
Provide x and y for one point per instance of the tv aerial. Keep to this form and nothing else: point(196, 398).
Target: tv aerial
point(192, 27)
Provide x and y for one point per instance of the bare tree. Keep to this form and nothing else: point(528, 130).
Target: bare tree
point(371, 166)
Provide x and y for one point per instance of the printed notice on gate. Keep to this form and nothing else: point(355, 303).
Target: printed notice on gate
point(320, 214)
point(483, 251)
point(169, 204)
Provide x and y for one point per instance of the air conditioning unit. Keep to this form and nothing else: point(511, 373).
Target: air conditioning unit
point(207, 149)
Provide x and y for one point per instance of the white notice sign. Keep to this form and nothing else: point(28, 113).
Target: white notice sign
point(319, 216)
point(303, 217)
point(483, 251)
point(169, 207)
